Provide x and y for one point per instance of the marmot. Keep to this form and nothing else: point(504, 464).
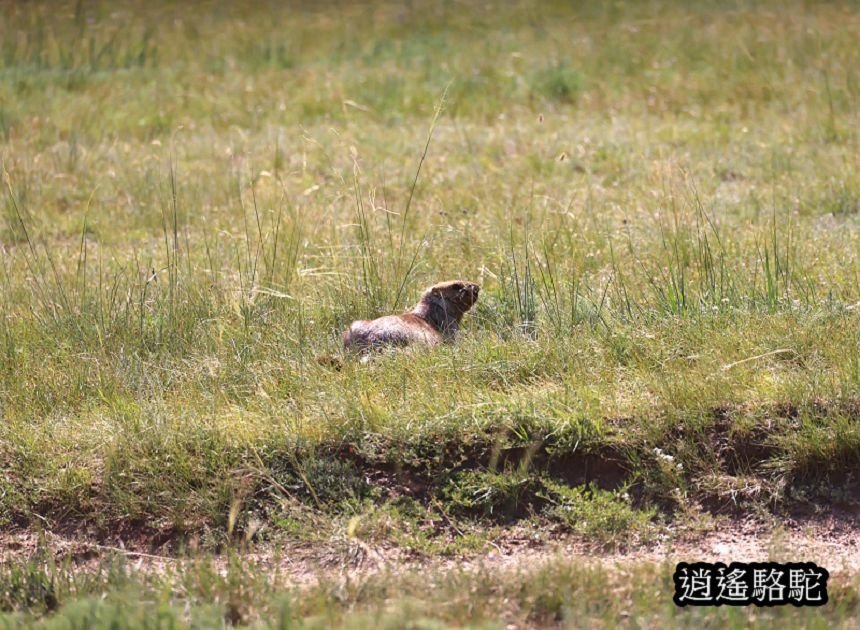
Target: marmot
point(436, 317)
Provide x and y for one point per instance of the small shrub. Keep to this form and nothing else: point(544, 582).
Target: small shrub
point(497, 495)
point(558, 82)
point(335, 482)
point(602, 514)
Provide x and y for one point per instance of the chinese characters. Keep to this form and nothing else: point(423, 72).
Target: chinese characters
point(741, 584)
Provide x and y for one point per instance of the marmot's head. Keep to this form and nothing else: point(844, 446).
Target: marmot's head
point(454, 296)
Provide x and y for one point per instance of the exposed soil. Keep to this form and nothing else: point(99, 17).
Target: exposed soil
point(832, 542)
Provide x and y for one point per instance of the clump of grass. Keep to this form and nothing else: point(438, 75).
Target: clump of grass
point(27, 587)
point(334, 482)
point(500, 496)
point(559, 82)
point(602, 515)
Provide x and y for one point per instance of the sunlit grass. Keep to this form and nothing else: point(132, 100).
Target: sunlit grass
point(660, 201)
point(556, 592)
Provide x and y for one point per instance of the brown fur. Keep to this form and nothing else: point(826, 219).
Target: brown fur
point(435, 318)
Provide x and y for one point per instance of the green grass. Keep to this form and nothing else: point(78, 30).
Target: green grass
point(659, 199)
point(557, 592)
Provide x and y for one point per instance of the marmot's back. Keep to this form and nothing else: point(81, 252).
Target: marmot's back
point(437, 315)
point(393, 330)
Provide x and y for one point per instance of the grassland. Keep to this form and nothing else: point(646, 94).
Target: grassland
point(661, 201)
point(553, 593)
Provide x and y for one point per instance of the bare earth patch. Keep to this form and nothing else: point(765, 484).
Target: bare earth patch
point(830, 542)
